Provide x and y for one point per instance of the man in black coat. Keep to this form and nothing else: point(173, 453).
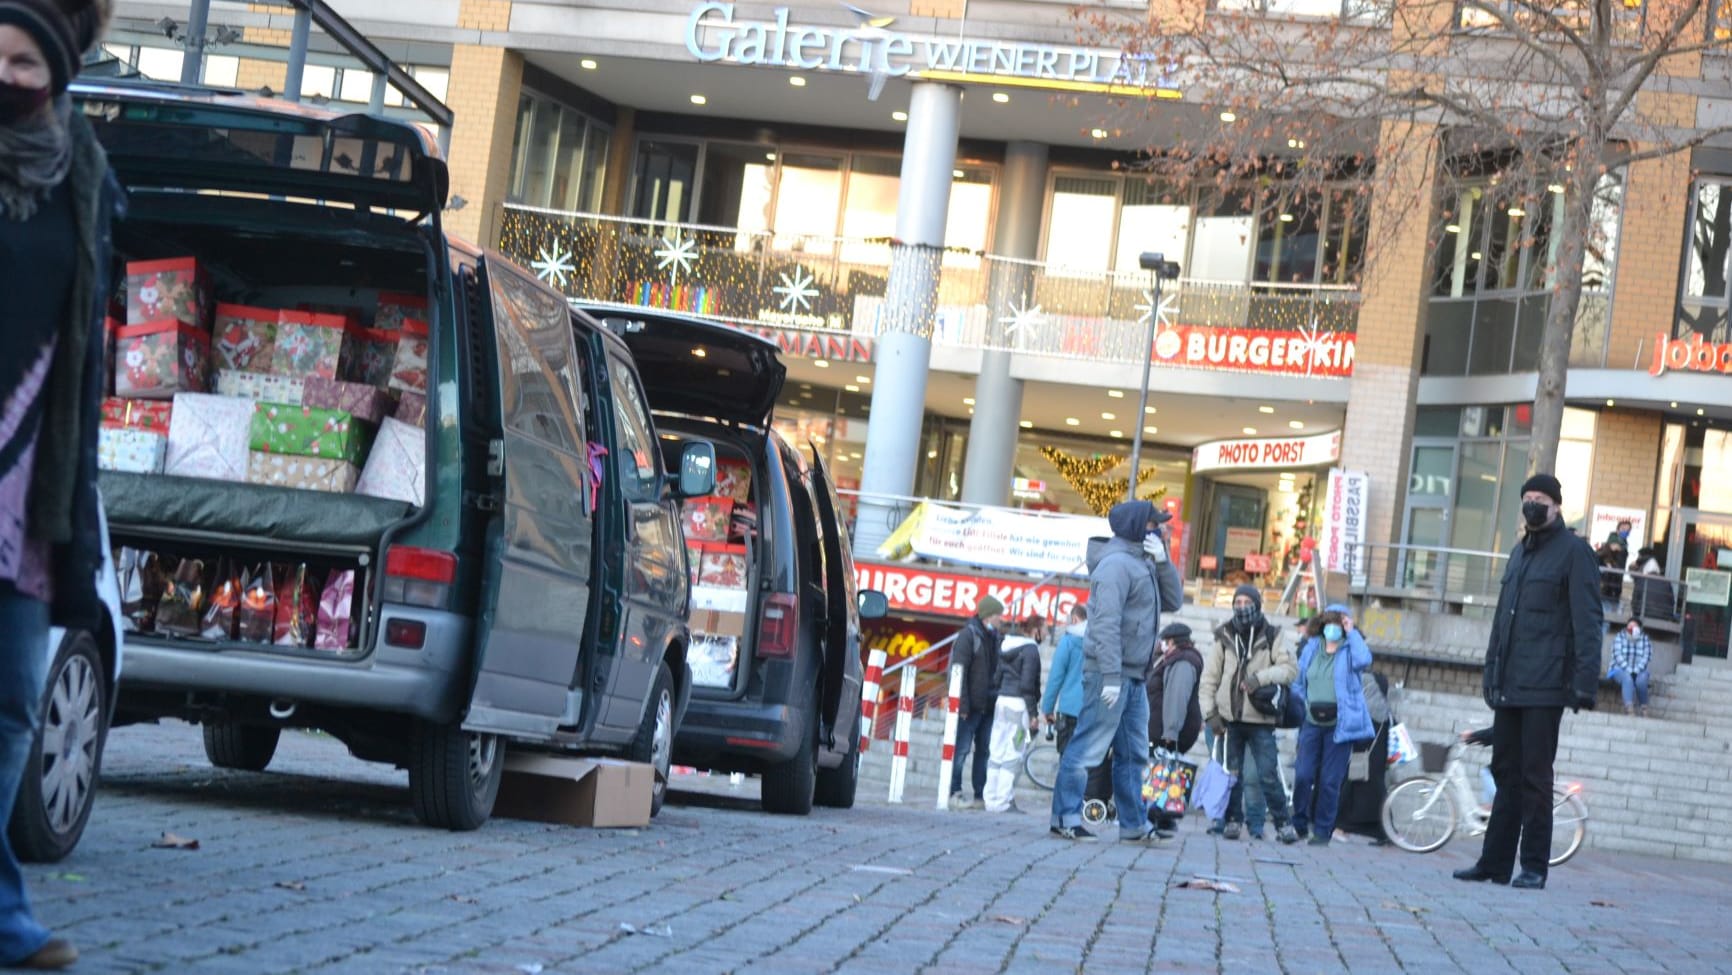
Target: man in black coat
point(1544, 656)
point(976, 652)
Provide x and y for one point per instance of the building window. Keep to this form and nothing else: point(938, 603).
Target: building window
point(559, 155)
point(1702, 300)
point(1492, 283)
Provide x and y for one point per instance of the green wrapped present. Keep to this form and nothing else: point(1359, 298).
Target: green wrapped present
point(308, 431)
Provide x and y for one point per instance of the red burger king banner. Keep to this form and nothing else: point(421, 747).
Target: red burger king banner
point(1694, 354)
point(1308, 352)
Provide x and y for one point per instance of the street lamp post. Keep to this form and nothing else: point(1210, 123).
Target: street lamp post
point(1159, 269)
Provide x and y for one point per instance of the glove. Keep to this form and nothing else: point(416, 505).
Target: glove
point(1110, 695)
point(1584, 702)
point(1218, 725)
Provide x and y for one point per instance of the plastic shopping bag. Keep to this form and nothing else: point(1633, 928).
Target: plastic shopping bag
point(1214, 785)
point(1168, 789)
point(1401, 746)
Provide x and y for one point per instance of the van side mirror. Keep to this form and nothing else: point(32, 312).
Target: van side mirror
point(873, 605)
point(697, 469)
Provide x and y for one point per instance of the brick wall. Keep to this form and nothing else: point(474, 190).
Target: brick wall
point(253, 74)
point(484, 15)
point(949, 9)
point(1386, 370)
point(1650, 245)
point(485, 84)
point(1626, 458)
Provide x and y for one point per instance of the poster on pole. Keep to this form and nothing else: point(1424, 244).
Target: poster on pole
point(1342, 541)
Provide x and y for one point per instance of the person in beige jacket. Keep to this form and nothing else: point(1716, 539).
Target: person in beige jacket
point(1249, 653)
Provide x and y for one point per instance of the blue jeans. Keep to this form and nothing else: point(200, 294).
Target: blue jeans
point(1635, 687)
point(23, 668)
point(1256, 742)
point(973, 733)
point(1124, 728)
point(1256, 810)
point(1318, 771)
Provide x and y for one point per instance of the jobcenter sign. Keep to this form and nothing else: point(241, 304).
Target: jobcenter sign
point(713, 34)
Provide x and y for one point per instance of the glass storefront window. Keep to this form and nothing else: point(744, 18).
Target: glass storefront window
point(1080, 222)
point(739, 185)
point(968, 224)
point(665, 172)
point(1221, 250)
point(808, 201)
point(870, 209)
point(595, 153)
point(1433, 472)
point(558, 153)
point(1153, 219)
point(1287, 238)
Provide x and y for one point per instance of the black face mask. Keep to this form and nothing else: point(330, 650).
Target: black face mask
point(18, 103)
point(1536, 513)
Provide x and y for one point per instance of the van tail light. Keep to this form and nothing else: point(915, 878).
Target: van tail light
point(419, 576)
point(778, 630)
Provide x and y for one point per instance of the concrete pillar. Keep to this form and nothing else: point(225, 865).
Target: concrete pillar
point(1378, 435)
point(910, 300)
point(991, 461)
point(485, 85)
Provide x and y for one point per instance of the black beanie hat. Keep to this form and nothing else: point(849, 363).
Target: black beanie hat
point(1176, 632)
point(52, 31)
point(1546, 485)
point(1251, 591)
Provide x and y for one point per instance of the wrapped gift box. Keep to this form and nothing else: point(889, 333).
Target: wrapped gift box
point(394, 308)
point(706, 519)
point(412, 409)
point(133, 451)
point(174, 288)
point(309, 344)
point(723, 567)
point(307, 431)
point(733, 480)
point(156, 360)
point(136, 414)
point(263, 386)
point(373, 351)
point(409, 371)
point(361, 401)
point(306, 473)
point(397, 466)
point(208, 437)
point(243, 338)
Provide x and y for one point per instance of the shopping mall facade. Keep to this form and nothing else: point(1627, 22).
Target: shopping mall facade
point(818, 173)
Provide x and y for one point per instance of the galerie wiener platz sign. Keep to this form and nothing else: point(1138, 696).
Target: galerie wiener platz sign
point(715, 34)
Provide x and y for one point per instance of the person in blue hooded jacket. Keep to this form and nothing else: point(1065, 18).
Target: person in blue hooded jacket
point(1062, 701)
point(1336, 717)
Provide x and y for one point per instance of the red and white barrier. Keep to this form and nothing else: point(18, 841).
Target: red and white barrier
point(869, 695)
point(904, 725)
point(952, 707)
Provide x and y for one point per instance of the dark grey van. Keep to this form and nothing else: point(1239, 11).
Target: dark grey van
point(532, 600)
point(792, 711)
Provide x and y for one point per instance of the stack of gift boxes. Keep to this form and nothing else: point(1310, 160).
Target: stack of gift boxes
point(717, 530)
point(291, 398)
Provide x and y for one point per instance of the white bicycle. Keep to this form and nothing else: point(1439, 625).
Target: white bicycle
point(1421, 814)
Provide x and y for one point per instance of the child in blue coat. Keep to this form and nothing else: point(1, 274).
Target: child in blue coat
point(1336, 716)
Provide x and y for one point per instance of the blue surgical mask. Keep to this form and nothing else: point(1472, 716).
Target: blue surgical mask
point(1333, 632)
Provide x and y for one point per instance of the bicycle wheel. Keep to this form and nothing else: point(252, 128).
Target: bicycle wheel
point(1419, 815)
point(1040, 764)
point(1569, 824)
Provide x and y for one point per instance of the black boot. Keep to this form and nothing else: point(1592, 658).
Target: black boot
point(1478, 873)
point(1529, 880)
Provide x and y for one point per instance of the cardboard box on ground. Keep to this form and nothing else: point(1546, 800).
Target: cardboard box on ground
point(596, 792)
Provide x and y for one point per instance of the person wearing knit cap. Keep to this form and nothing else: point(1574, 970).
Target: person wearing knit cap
point(976, 652)
point(56, 202)
point(1543, 656)
point(1175, 712)
point(1249, 653)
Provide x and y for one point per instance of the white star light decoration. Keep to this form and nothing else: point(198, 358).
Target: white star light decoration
point(1315, 344)
point(796, 291)
point(677, 255)
point(1023, 318)
point(553, 267)
point(1163, 312)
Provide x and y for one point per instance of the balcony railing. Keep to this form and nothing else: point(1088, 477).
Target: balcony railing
point(837, 284)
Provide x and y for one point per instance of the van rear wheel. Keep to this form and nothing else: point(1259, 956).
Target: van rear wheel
point(243, 747)
point(454, 775)
point(788, 787)
point(654, 745)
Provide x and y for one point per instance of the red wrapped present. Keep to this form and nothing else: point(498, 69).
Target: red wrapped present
point(156, 360)
point(174, 288)
point(336, 613)
point(724, 568)
point(361, 401)
point(309, 344)
point(243, 338)
point(372, 353)
point(409, 371)
point(394, 308)
point(137, 414)
point(706, 519)
point(412, 409)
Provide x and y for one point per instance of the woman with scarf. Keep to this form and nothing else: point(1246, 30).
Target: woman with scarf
point(1175, 711)
point(56, 201)
point(1336, 719)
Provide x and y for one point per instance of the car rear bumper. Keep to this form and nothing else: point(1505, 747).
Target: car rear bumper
point(738, 735)
point(429, 683)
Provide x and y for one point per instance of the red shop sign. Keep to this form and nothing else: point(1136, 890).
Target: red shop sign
point(913, 589)
point(1307, 352)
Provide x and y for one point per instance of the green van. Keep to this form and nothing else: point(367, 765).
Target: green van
point(536, 598)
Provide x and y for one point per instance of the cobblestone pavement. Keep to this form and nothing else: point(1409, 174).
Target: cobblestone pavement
point(317, 866)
